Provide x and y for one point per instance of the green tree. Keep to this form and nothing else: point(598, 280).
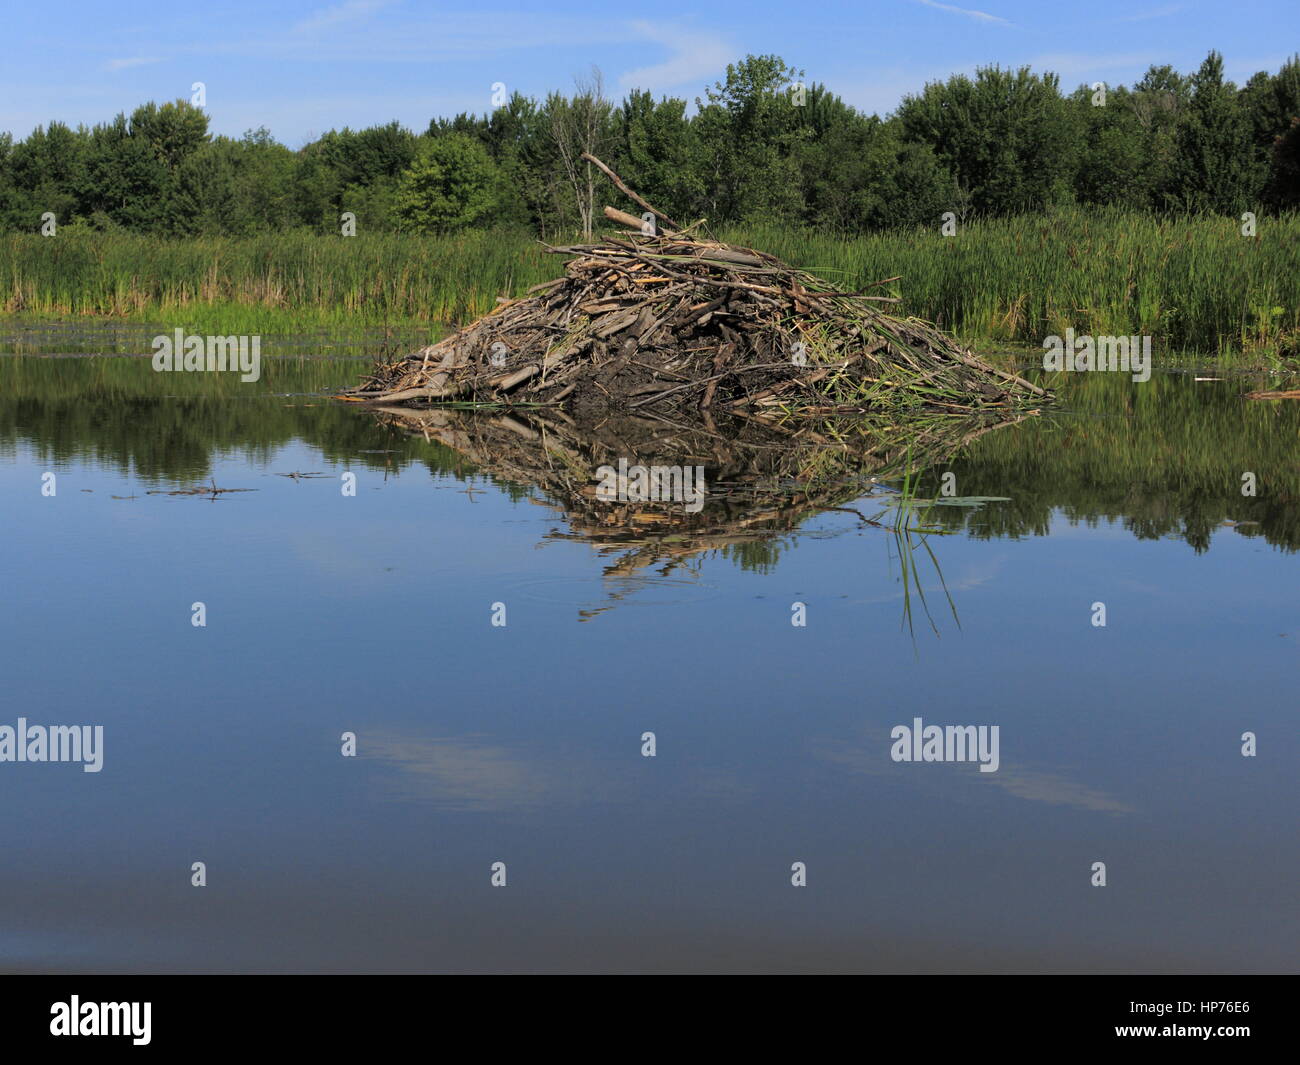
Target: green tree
point(751, 137)
point(174, 131)
point(1215, 168)
point(657, 153)
point(48, 171)
point(264, 171)
point(337, 165)
point(1272, 106)
point(1009, 137)
point(204, 200)
point(1159, 99)
point(235, 187)
point(10, 200)
point(1115, 160)
point(1284, 178)
point(127, 182)
point(452, 184)
point(517, 139)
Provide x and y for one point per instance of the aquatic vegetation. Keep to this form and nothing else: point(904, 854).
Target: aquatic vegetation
point(1191, 282)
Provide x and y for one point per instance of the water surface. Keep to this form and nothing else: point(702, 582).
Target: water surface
point(372, 613)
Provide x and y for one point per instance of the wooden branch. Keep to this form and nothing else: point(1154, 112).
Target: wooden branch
point(623, 218)
point(618, 183)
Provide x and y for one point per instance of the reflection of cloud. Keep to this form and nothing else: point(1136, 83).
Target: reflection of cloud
point(977, 575)
point(1048, 787)
point(462, 772)
point(1030, 784)
point(473, 773)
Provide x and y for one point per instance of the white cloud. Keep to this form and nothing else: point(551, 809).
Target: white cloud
point(350, 11)
point(883, 89)
point(1159, 12)
point(1066, 64)
point(420, 37)
point(126, 64)
point(695, 58)
point(979, 16)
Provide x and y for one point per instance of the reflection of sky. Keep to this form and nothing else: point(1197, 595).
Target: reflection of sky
point(522, 744)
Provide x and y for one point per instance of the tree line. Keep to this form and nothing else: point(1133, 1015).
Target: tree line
point(760, 147)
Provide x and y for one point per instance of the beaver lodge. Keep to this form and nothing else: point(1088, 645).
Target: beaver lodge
point(668, 322)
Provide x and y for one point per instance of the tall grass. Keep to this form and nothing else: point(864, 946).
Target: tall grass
point(1191, 283)
point(360, 280)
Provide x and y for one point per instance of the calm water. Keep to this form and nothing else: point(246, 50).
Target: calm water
point(372, 613)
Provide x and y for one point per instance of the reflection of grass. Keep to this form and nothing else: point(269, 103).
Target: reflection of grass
point(904, 529)
point(284, 332)
point(108, 380)
point(173, 428)
point(911, 529)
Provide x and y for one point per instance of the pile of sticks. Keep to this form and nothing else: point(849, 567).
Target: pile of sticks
point(657, 320)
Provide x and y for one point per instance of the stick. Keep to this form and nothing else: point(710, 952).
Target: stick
point(618, 184)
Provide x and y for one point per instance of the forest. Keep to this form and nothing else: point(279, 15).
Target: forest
point(761, 148)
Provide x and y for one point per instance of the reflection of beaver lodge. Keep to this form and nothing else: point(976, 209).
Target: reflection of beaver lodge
point(760, 480)
point(669, 322)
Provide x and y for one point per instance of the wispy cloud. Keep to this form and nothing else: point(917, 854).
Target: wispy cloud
point(127, 64)
point(350, 11)
point(1066, 63)
point(421, 37)
point(695, 58)
point(978, 16)
point(1157, 12)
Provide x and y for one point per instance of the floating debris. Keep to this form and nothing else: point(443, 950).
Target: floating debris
point(198, 490)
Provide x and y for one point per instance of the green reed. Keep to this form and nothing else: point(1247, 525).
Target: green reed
point(1191, 283)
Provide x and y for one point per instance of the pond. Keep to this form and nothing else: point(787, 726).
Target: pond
point(418, 697)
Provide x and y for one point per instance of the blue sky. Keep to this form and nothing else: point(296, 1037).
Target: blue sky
point(302, 67)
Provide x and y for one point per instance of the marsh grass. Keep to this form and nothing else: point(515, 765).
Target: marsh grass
point(287, 279)
point(1192, 283)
